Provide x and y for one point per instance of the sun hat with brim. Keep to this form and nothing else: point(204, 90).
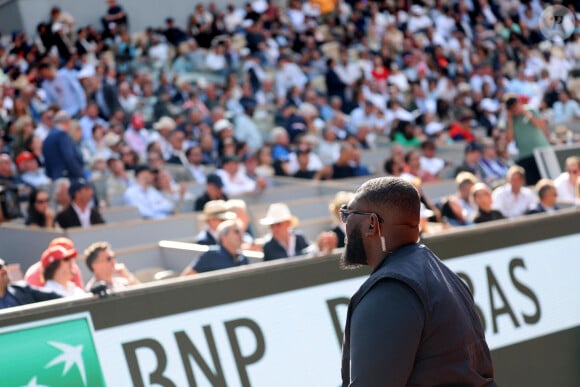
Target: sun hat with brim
point(56, 253)
point(217, 209)
point(165, 123)
point(278, 213)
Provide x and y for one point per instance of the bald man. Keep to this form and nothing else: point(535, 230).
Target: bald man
point(413, 321)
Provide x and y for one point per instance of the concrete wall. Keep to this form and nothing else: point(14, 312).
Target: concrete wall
point(142, 13)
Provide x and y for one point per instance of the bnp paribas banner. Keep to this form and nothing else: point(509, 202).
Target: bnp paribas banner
point(56, 352)
point(290, 338)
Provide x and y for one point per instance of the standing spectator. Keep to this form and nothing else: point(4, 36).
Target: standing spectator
point(548, 195)
point(246, 129)
point(61, 155)
point(283, 241)
point(481, 196)
point(80, 213)
point(90, 119)
point(102, 262)
point(15, 294)
point(39, 212)
point(114, 19)
point(213, 191)
point(225, 254)
point(149, 201)
point(63, 89)
point(568, 183)
point(529, 132)
point(58, 271)
point(512, 198)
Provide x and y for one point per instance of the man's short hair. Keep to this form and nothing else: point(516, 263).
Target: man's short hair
point(463, 178)
point(385, 192)
point(92, 252)
point(225, 226)
point(543, 186)
point(516, 169)
point(573, 160)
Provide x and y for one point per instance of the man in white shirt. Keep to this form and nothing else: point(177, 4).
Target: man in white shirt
point(513, 199)
point(246, 129)
point(430, 162)
point(568, 183)
point(148, 200)
point(235, 180)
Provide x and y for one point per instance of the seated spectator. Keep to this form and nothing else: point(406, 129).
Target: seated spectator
point(493, 169)
point(347, 165)
point(176, 141)
point(80, 212)
point(20, 293)
point(566, 110)
point(33, 275)
point(513, 199)
point(548, 195)
point(280, 150)
point(568, 183)
point(413, 168)
point(10, 180)
point(303, 143)
point(224, 255)
point(213, 191)
point(457, 209)
point(303, 172)
point(471, 160)
point(118, 179)
point(283, 241)
point(461, 130)
point(481, 196)
point(235, 181)
point(240, 209)
point(39, 212)
point(429, 161)
point(328, 146)
point(58, 271)
point(392, 167)
point(341, 198)
point(102, 262)
point(404, 134)
point(148, 200)
point(30, 172)
point(194, 157)
point(173, 191)
point(214, 212)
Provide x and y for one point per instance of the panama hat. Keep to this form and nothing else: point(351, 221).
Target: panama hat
point(278, 213)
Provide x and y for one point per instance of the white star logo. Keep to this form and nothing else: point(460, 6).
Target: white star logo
point(71, 355)
point(33, 383)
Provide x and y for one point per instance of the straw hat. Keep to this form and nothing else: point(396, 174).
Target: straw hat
point(278, 213)
point(217, 209)
point(165, 123)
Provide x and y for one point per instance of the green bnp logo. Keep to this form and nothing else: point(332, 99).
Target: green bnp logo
point(51, 354)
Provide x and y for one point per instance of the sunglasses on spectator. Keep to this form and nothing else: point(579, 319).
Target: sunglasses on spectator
point(345, 213)
point(41, 201)
point(573, 171)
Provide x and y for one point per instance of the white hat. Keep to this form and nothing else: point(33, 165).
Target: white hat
point(165, 123)
point(222, 125)
point(217, 209)
point(86, 72)
point(417, 10)
point(489, 105)
point(111, 139)
point(278, 213)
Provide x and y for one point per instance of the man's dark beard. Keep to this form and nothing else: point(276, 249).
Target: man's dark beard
point(354, 254)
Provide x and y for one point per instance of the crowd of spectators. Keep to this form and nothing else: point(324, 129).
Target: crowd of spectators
point(244, 93)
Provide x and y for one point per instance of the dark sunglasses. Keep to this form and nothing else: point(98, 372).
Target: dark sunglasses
point(345, 213)
point(41, 201)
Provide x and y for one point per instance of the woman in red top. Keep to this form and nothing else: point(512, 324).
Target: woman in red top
point(461, 130)
point(380, 73)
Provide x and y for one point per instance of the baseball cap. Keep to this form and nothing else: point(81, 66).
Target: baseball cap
point(23, 157)
point(76, 186)
point(56, 253)
point(221, 125)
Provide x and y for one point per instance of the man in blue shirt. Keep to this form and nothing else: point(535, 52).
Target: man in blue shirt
point(224, 255)
point(63, 88)
point(19, 293)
